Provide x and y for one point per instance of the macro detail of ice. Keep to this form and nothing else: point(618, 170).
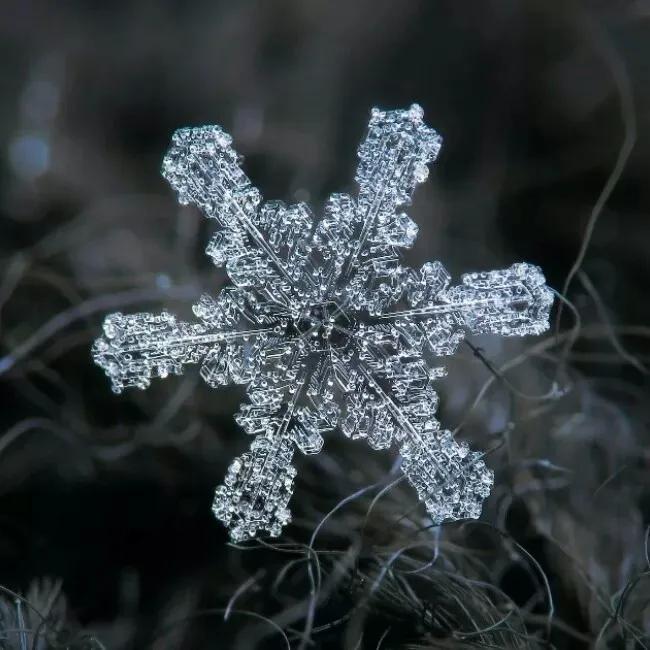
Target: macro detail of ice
point(324, 324)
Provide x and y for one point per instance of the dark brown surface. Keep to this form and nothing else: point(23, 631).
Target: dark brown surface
point(112, 494)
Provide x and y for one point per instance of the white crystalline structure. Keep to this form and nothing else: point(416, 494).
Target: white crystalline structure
point(324, 325)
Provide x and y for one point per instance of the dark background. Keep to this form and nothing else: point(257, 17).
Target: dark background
point(105, 523)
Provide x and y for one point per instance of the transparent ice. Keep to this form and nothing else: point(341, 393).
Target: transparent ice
point(324, 324)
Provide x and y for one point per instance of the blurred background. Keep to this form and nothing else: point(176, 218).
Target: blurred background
point(106, 534)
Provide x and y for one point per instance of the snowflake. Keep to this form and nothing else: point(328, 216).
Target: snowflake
point(324, 325)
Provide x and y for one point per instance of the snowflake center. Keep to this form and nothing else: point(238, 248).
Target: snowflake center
point(325, 323)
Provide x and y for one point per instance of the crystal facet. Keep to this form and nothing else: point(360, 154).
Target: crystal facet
point(324, 325)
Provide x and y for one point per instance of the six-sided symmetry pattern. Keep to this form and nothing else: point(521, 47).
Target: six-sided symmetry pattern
point(324, 325)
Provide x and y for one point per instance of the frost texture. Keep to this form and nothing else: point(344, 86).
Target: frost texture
point(324, 325)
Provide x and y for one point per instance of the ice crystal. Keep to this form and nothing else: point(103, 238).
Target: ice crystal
point(324, 324)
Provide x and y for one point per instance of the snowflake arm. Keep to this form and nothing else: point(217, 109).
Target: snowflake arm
point(392, 161)
point(261, 245)
point(290, 404)
point(510, 302)
point(259, 483)
point(229, 343)
point(394, 401)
